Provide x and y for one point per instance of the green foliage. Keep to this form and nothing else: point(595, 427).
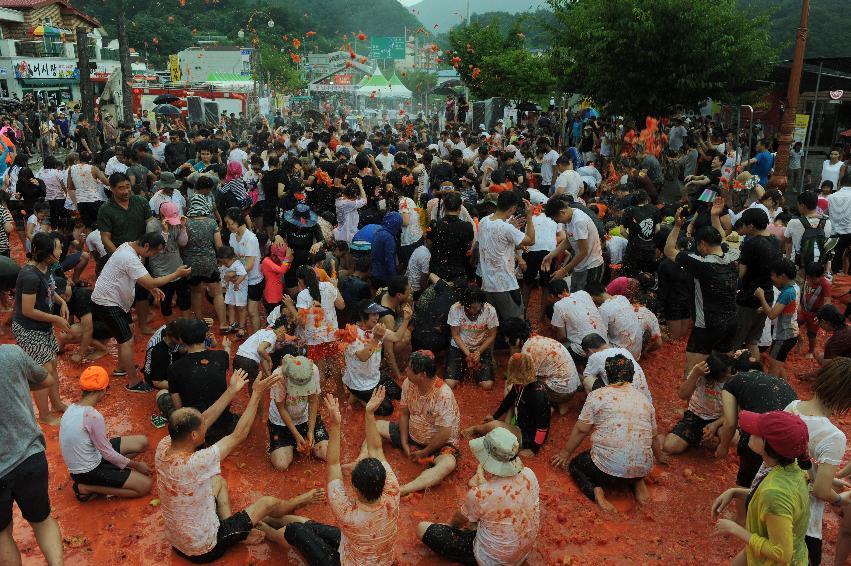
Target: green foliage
point(496, 63)
point(828, 20)
point(651, 56)
point(532, 25)
point(419, 82)
point(283, 75)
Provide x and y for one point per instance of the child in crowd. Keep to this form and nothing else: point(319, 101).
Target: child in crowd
point(273, 267)
point(784, 313)
point(815, 294)
point(39, 221)
point(233, 277)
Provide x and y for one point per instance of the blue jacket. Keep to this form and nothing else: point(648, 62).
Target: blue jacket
point(384, 247)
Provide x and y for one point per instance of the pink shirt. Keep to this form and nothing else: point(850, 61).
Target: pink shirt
point(273, 273)
point(84, 442)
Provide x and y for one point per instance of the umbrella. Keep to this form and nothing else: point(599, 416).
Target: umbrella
point(166, 99)
point(528, 107)
point(846, 134)
point(591, 112)
point(166, 110)
point(444, 90)
point(42, 30)
point(10, 103)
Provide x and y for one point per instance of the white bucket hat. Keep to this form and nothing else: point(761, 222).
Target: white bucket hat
point(497, 452)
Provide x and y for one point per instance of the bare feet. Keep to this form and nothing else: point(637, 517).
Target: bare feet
point(600, 498)
point(49, 420)
point(313, 496)
point(256, 536)
point(58, 407)
point(96, 354)
point(641, 493)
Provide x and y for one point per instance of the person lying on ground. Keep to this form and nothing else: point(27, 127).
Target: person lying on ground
point(429, 424)
point(499, 518)
point(195, 504)
point(622, 425)
point(100, 465)
point(525, 410)
point(705, 414)
point(294, 421)
point(368, 521)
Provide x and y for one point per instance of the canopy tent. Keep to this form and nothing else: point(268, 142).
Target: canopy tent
point(375, 84)
point(396, 89)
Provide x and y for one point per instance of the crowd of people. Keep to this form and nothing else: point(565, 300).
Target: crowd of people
point(382, 269)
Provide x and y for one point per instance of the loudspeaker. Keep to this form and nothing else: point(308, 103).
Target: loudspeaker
point(211, 113)
point(195, 109)
point(478, 114)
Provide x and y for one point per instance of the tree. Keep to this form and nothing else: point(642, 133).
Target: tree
point(493, 62)
point(647, 57)
point(283, 75)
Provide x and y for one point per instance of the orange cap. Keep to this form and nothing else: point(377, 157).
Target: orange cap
point(94, 378)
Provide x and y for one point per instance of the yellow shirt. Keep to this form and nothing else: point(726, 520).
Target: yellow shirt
point(784, 496)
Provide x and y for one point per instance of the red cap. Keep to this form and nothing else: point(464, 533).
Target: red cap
point(786, 433)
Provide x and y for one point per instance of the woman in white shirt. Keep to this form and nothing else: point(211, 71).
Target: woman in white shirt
point(247, 248)
point(54, 185)
point(412, 232)
point(85, 187)
point(317, 304)
point(831, 168)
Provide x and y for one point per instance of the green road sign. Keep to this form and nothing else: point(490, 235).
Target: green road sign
point(387, 48)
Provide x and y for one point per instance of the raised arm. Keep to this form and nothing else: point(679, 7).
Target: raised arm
point(332, 454)
point(243, 426)
point(373, 438)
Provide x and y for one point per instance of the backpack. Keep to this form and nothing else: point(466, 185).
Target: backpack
point(813, 238)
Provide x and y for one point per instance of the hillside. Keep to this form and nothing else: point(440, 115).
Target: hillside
point(829, 19)
point(448, 13)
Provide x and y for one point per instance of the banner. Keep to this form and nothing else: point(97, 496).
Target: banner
point(802, 122)
point(174, 67)
point(33, 69)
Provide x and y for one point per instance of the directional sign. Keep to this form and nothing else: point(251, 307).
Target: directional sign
point(387, 48)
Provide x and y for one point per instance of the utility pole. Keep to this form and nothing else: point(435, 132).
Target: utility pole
point(87, 95)
point(781, 162)
point(126, 71)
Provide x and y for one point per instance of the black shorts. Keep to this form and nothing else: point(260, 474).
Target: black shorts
point(533, 267)
point(232, 530)
point(690, 428)
point(813, 549)
point(118, 323)
point(396, 442)
point(394, 392)
point(780, 348)
point(456, 366)
point(27, 486)
point(718, 338)
point(106, 474)
point(281, 437)
point(248, 365)
point(450, 543)
point(179, 288)
point(214, 277)
point(255, 292)
point(677, 311)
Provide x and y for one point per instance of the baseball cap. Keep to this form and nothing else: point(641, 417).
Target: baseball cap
point(369, 307)
point(170, 213)
point(786, 433)
point(94, 378)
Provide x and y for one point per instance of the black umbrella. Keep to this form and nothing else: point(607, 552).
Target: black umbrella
point(444, 90)
point(166, 99)
point(166, 110)
point(528, 107)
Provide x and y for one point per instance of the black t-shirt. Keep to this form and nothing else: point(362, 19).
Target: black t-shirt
point(758, 253)
point(9, 270)
point(157, 361)
point(716, 278)
point(532, 412)
point(31, 281)
point(300, 238)
point(451, 239)
point(80, 303)
point(431, 331)
point(759, 392)
point(641, 223)
point(395, 176)
point(374, 190)
point(675, 290)
point(353, 289)
point(200, 378)
point(269, 182)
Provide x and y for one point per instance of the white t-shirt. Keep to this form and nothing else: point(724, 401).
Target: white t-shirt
point(581, 227)
point(116, 285)
point(617, 247)
point(553, 364)
point(622, 324)
point(548, 164)
point(648, 321)
point(596, 367)
point(358, 375)
point(472, 332)
point(795, 231)
point(297, 407)
point(318, 329)
point(94, 243)
point(504, 539)
point(497, 241)
point(246, 247)
point(546, 230)
point(579, 317)
point(418, 267)
point(386, 161)
point(826, 446)
point(248, 349)
point(831, 172)
point(239, 156)
point(186, 492)
point(570, 183)
point(413, 231)
point(160, 197)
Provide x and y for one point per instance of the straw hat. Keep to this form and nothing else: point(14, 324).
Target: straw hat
point(497, 452)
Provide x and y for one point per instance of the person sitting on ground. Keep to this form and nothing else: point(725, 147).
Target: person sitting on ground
point(553, 365)
point(705, 414)
point(90, 334)
point(524, 410)
point(784, 311)
point(473, 323)
point(651, 333)
point(369, 521)
point(776, 523)
point(163, 349)
point(838, 343)
point(619, 320)
point(575, 316)
point(598, 351)
point(100, 465)
point(429, 424)
point(362, 373)
point(194, 496)
point(254, 356)
point(499, 518)
point(622, 424)
point(294, 421)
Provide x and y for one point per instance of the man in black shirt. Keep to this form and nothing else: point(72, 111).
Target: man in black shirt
point(451, 240)
point(176, 151)
point(640, 220)
point(198, 379)
point(755, 391)
point(757, 254)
